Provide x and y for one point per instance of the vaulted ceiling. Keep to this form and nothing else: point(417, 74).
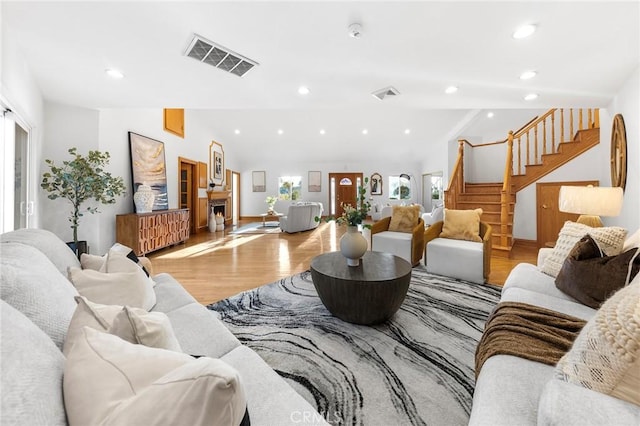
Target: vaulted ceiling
point(582, 53)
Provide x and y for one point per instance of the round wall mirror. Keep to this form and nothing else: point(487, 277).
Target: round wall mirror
point(618, 152)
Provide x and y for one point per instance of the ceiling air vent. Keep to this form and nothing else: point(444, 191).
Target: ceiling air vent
point(220, 57)
point(383, 93)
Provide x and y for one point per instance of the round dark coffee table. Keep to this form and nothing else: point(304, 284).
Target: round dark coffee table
point(366, 294)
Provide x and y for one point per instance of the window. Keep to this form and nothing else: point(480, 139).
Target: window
point(399, 188)
point(290, 187)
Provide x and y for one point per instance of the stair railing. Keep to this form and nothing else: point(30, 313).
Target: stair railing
point(540, 134)
point(456, 182)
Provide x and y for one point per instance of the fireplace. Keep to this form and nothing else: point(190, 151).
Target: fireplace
point(220, 202)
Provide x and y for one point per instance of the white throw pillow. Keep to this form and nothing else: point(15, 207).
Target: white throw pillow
point(152, 329)
point(110, 381)
point(118, 288)
point(610, 239)
point(92, 261)
point(606, 354)
point(134, 325)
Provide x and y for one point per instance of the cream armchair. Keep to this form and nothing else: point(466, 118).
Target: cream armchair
point(409, 246)
point(465, 260)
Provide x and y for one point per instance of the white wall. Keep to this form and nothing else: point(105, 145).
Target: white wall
point(253, 203)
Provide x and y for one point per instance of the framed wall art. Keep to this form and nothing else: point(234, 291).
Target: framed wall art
point(216, 163)
point(148, 167)
point(258, 180)
point(376, 184)
point(315, 184)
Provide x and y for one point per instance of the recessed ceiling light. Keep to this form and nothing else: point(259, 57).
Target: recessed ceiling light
point(280, 131)
point(365, 131)
point(113, 73)
point(489, 114)
point(407, 131)
point(524, 31)
point(451, 89)
point(322, 132)
point(527, 75)
point(236, 131)
point(303, 90)
point(531, 96)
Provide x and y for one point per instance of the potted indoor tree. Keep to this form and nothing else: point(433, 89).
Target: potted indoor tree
point(78, 180)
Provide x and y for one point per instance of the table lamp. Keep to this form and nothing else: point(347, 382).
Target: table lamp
point(591, 202)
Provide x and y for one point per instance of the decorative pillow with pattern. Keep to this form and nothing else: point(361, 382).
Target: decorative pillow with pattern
point(610, 239)
point(404, 218)
point(462, 225)
point(605, 357)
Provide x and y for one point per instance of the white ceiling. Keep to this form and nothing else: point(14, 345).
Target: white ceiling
point(583, 52)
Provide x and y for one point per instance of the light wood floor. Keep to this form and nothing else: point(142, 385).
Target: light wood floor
point(213, 266)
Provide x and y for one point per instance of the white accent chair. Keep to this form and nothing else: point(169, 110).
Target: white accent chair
point(301, 217)
point(407, 245)
point(465, 260)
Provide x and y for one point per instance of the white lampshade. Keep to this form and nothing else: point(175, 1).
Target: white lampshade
point(591, 200)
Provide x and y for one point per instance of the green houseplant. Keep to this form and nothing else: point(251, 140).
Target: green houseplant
point(80, 179)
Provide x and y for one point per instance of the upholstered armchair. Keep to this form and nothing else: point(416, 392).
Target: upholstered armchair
point(466, 260)
point(408, 245)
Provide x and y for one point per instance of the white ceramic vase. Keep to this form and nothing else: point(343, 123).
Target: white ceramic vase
point(353, 245)
point(143, 199)
point(219, 223)
point(212, 222)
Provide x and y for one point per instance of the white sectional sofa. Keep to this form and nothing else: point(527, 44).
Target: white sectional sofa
point(301, 217)
point(515, 391)
point(37, 306)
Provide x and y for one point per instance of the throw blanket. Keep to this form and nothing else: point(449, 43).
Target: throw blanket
point(527, 331)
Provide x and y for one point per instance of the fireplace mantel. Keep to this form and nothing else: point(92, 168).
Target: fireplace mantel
point(218, 195)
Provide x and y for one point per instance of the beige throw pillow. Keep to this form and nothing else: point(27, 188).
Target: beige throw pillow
point(110, 381)
point(609, 239)
point(404, 218)
point(118, 288)
point(134, 325)
point(462, 225)
point(606, 354)
point(91, 261)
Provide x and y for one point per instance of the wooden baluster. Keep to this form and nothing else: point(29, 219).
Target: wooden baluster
point(553, 132)
point(589, 120)
point(596, 118)
point(570, 124)
point(528, 155)
point(535, 144)
point(580, 119)
point(544, 136)
point(561, 125)
point(519, 156)
point(461, 178)
point(505, 193)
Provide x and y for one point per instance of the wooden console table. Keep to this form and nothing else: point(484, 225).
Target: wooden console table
point(147, 232)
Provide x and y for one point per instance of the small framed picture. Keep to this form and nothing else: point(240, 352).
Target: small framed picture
point(376, 184)
point(258, 180)
point(314, 181)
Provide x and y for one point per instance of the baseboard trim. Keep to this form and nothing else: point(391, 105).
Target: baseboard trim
point(531, 244)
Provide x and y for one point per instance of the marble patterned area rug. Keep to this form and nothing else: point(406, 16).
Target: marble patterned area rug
point(257, 228)
point(416, 369)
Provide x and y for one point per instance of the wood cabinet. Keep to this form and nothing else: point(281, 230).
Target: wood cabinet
point(203, 213)
point(203, 178)
point(174, 121)
point(147, 232)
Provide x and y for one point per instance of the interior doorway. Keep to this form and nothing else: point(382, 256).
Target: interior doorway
point(549, 218)
point(188, 190)
point(233, 184)
point(432, 190)
point(343, 189)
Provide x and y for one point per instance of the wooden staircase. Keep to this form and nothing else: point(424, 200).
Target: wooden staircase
point(540, 157)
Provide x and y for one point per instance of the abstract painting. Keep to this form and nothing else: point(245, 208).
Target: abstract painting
point(148, 167)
